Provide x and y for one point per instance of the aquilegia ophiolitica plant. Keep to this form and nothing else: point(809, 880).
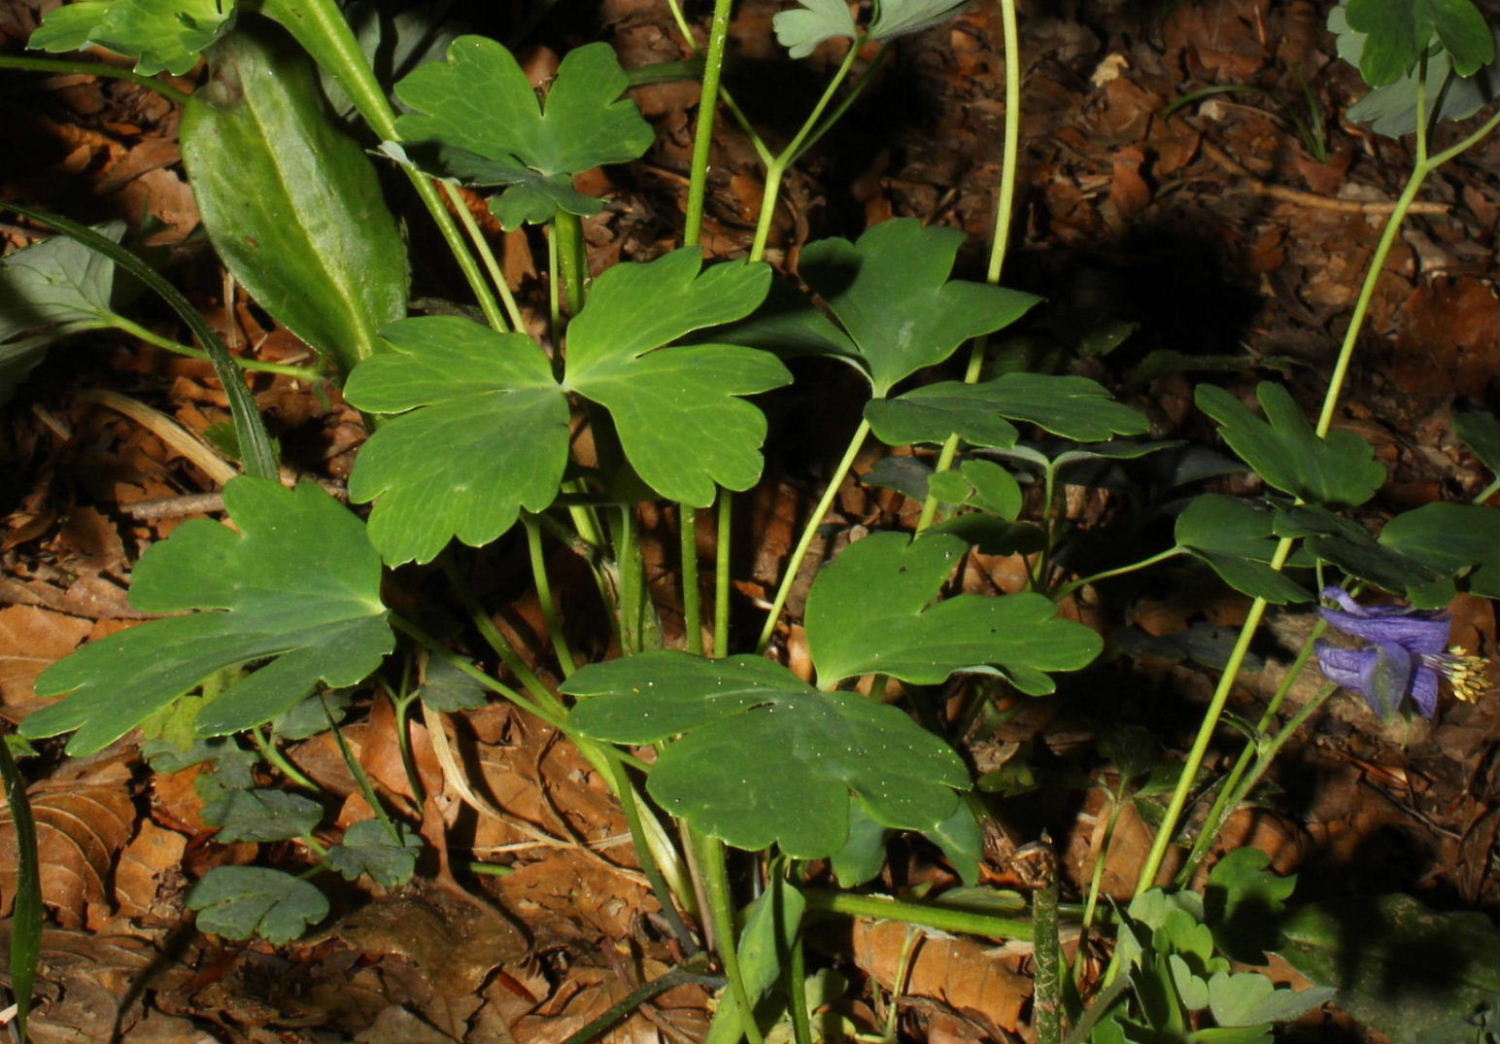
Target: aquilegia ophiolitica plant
point(662, 360)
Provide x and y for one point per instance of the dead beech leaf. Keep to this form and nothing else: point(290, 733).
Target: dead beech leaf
point(31, 640)
point(1129, 192)
point(961, 973)
point(80, 831)
point(144, 866)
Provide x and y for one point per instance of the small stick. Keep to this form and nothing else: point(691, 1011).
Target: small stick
point(1311, 199)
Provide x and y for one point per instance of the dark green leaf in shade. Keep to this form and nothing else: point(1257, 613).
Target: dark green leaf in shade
point(996, 490)
point(48, 291)
point(863, 854)
point(994, 535)
point(292, 205)
point(446, 688)
point(1481, 433)
point(370, 848)
point(1345, 543)
point(465, 388)
point(262, 815)
point(1400, 968)
point(238, 902)
point(1234, 536)
point(677, 410)
point(1394, 37)
point(298, 585)
point(765, 757)
point(950, 488)
point(312, 716)
point(906, 475)
point(961, 840)
point(1243, 903)
point(480, 101)
point(895, 18)
point(1075, 408)
point(1340, 470)
point(896, 309)
point(871, 611)
point(1455, 540)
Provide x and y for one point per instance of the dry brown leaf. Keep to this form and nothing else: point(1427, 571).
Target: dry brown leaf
point(31, 640)
point(79, 831)
point(962, 973)
point(144, 867)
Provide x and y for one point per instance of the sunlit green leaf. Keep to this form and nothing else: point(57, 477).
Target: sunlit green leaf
point(68, 28)
point(479, 108)
point(871, 611)
point(765, 757)
point(240, 901)
point(802, 28)
point(299, 585)
point(370, 848)
point(161, 35)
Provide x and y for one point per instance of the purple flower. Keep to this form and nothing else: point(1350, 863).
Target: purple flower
point(1406, 654)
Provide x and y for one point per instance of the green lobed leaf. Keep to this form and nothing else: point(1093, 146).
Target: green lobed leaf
point(238, 902)
point(1344, 543)
point(962, 841)
point(292, 205)
point(298, 585)
point(1075, 408)
point(801, 29)
point(896, 309)
point(447, 689)
point(370, 848)
point(262, 815)
point(1481, 433)
point(1394, 37)
point(764, 757)
point(677, 411)
point(863, 854)
point(895, 18)
point(69, 28)
point(1235, 537)
point(1243, 903)
point(1283, 449)
point(996, 490)
point(1454, 540)
point(1250, 999)
point(312, 717)
point(479, 106)
point(461, 386)
point(869, 612)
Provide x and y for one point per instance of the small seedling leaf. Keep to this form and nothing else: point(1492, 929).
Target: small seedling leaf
point(238, 902)
point(479, 101)
point(732, 713)
point(871, 611)
point(312, 716)
point(1283, 449)
point(1234, 536)
point(1249, 999)
point(458, 385)
point(298, 585)
point(161, 35)
point(802, 28)
point(447, 689)
point(370, 848)
point(261, 815)
point(891, 294)
point(677, 410)
point(1244, 902)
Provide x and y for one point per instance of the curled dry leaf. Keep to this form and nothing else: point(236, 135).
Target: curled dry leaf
point(961, 973)
point(31, 639)
point(80, 831)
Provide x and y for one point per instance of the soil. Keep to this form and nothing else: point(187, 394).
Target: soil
point(1213, 244)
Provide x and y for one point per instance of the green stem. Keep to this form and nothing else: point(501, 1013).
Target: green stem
point(692, 596)
point(570, 251)
point(757, 142)
point(403, 743)
point(1047, 1005)
point(254, 441)
point(1005, 198)
point(551, 713)
point(62, 65)
point(134, 329)
point(928, 915)
point(845, 103)
point(776, 169)
point(810, 531)
point(544, 595)
point(1488, 491)
point(26, 911)
point(273, 754)
point(492, 636)
point(796, 982)
point(681, 975)
point(630, 805)
point(491, 263)
point(722, 559)
point(1161, 556)
point(715, 870)
point(708, 104)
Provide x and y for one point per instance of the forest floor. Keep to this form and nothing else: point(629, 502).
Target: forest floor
point(1211, 244)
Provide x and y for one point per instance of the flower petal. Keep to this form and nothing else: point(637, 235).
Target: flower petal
point(1410, 629)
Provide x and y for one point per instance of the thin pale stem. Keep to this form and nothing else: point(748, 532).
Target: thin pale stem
point(757, 142)
point(136, 330)
point(809, 532)
point(492, 636)
point(62, 65)
point(721, 908)
point(692, 596)
point(1161, 556)
point(722, 564)
point(273, 754)
point(943, 918)
point(487, 256)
